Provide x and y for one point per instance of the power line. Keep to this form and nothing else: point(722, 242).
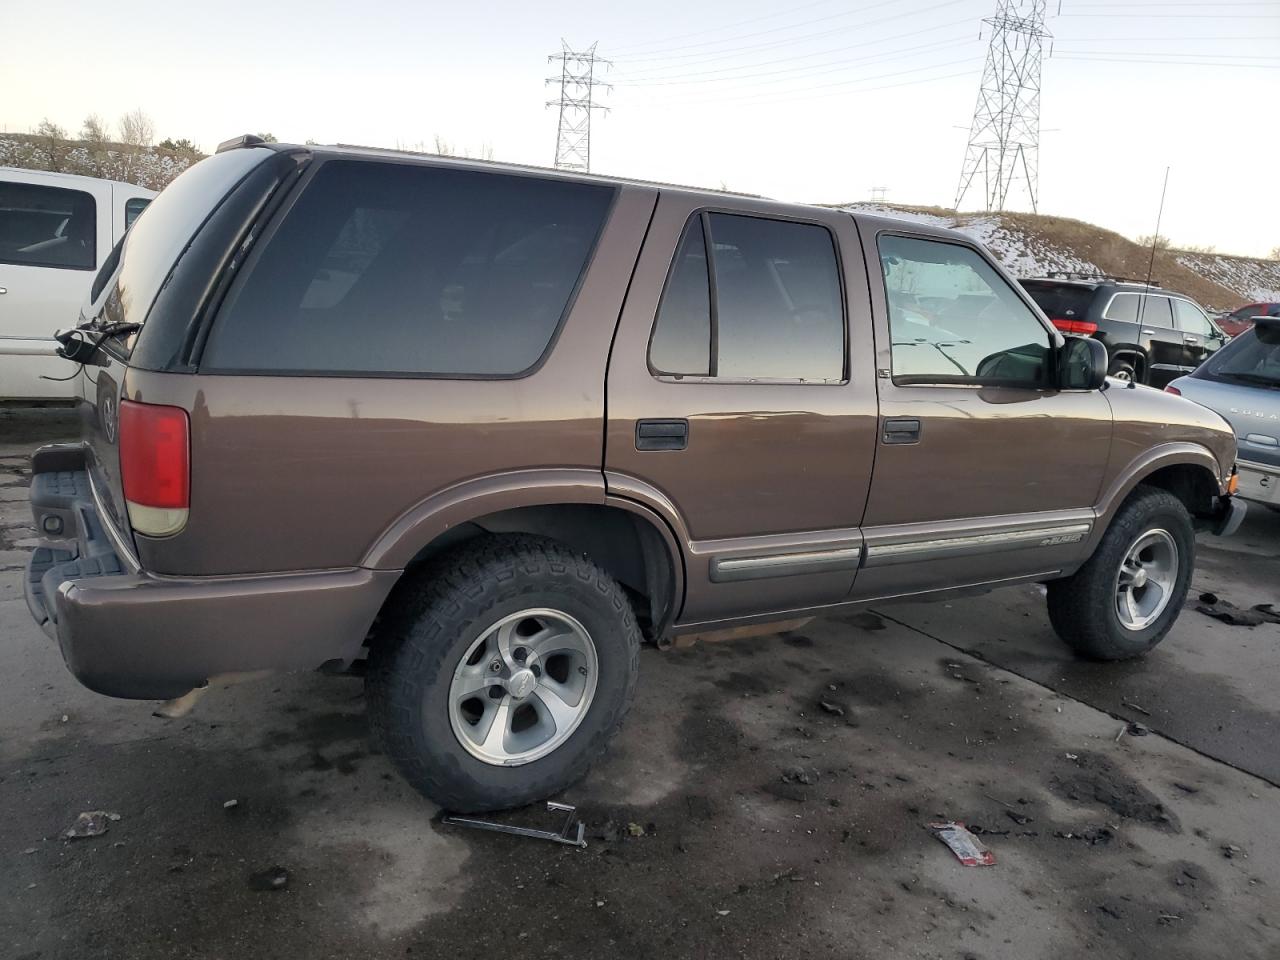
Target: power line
point(577, 82)
point(667, 54)
point(807, 71)
point(1176, 63)
point(1005, 132)
point(722, 27)
point(808, 54)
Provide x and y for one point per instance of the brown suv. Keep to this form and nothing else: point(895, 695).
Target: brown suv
point(488, 428)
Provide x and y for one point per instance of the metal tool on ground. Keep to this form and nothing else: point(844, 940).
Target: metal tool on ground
point(572, 833)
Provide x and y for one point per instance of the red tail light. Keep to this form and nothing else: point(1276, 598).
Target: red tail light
point(1174, 390)
point(1081, 328)
point(155, 466)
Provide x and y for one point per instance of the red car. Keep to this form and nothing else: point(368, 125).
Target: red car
point(1238, 321)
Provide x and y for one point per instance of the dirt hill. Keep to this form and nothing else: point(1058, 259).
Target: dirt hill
point(1032, 245)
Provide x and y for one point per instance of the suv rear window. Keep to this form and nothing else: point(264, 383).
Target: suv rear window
point(408, 270)
point(47, 227)
point(1060, 301)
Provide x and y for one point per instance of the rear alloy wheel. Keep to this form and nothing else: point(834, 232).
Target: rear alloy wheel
point(501, 673)
point(1126, 597)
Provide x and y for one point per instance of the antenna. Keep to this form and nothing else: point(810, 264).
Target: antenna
point(1155, 238)
point(1004, 135)
point(577, 81)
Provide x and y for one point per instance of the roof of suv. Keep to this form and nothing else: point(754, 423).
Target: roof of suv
point(1111, 283)
point(351, 150)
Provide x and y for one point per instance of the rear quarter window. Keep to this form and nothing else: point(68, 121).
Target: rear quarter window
point(411, 270)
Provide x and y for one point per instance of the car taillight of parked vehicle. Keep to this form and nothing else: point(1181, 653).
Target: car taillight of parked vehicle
point(1174, 390)
point(1080, 328)
point(155, 466)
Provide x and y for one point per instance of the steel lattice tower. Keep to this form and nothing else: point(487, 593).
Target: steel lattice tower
point(1004, 138)
point(577, 82)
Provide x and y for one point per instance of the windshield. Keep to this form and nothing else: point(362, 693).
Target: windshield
point(152, 246)
point(1246, 359)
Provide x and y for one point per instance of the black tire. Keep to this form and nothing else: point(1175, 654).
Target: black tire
point(1082, 607)
point(435, 619)
point(1123, 369)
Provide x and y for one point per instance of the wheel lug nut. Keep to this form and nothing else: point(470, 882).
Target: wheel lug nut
point(496, 666)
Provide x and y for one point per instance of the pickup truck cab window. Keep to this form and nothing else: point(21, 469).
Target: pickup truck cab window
point(953, 319)
point(751, 298)
point(47, 227)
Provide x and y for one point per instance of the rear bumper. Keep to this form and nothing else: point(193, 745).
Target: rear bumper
point(1259, 482)
point(126, 633)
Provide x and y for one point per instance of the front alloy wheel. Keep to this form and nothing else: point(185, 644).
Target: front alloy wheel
point(1146, 579)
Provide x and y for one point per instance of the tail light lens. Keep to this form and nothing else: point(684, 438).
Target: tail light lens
point(1174, 390)
point(155, 466)
point(1081, 328)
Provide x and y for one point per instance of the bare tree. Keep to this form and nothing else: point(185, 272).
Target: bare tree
point(95, 130)
point(51, 146)
point(1275, 253)
point(137, 130)
point(1160, 242)
point(446, 149)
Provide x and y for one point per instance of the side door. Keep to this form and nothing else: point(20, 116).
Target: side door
point(1200, 336)
point(985, 471)
point(51, 241)
point(1167, 351)
point(741, 400)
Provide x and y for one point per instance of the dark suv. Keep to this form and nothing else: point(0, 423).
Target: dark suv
point(482, 429)
point(1152, 335)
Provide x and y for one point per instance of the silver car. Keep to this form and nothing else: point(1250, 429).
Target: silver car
point(1242, 383)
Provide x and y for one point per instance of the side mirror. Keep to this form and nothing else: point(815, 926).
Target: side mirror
point(1082, 364)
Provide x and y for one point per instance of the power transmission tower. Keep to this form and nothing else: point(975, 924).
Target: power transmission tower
point(577, 82)
point(1004, 137)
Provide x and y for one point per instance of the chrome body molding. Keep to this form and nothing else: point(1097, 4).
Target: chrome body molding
point(907, 551)
point(725, 569)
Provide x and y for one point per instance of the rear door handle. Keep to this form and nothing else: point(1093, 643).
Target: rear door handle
point(901, 430)
point(1190, 339)
point(662, 434)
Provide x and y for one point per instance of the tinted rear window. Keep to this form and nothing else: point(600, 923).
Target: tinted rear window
point(1246, 360)
point(47, 227)
point(1060, 301)
point(398, 269)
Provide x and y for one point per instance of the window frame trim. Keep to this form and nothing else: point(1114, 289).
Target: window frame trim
point(1054, 336)
point(704, 213)
point(94, 266)
point(295, 191)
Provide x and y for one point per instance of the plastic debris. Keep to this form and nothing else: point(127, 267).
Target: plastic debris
point(273, 878)
point(830, 707)
point(91, 823)
point(969, 850)
point(230, 804)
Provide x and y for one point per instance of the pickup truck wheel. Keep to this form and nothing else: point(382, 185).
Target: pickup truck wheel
point(502, 673)
point(1125, 598)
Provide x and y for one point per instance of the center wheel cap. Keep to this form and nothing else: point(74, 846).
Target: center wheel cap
point(521, 684)
point(1140, 578)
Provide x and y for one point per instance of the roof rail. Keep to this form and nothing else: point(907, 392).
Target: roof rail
point(1080, 275)
point(244, 140)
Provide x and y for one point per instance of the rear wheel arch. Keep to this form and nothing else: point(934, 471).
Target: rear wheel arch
point(628, 542)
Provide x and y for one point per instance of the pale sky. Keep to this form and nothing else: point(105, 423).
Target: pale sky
point(817, 100)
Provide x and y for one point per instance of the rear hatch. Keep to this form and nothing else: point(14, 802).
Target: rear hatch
point(152, 290)
point(1242, 383)
point(1065, 304)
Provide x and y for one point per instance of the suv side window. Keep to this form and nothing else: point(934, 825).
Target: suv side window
point(953, 319)
point(1191, 318)
point(767, 305)
point(1155, 312)
point(1123, 307)
point(47, 227)
point(132, 207)
point(409, 270)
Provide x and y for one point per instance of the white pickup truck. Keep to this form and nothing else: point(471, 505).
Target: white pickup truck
point(56, 229)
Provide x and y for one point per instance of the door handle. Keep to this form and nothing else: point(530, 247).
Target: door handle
point(4, 290)
point(1190, 339)
point(901, 430)
point(662, 434)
